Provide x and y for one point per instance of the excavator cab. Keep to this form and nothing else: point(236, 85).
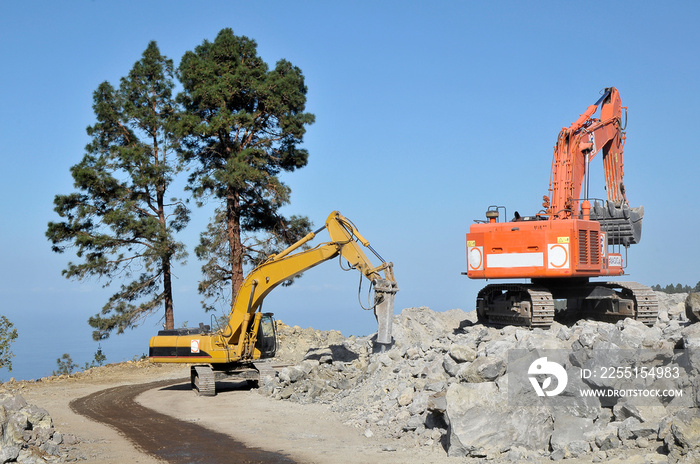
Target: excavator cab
point(267, 336)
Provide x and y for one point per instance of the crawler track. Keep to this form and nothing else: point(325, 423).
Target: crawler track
point(532, 305)
point(647, 303)
point(203, 380)
point(165, 437)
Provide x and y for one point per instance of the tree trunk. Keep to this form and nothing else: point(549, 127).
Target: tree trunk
point(233, 228)
point(168, 294)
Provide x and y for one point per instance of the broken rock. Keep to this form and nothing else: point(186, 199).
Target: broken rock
point(475, 433)
point(692, 307)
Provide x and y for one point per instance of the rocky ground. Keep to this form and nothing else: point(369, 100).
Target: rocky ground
point(37, 424)
point(448, 390)
point(444, 385)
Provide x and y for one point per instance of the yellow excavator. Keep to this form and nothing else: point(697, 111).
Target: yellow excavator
point(249, 334)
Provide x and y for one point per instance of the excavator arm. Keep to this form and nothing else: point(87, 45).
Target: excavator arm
point(576, 147)
point(345, 241)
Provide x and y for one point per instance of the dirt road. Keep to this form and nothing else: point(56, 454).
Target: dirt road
point(308, 433)
point(287, 432)
point(163, 436)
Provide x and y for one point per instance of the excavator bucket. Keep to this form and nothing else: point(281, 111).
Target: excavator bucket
point(384, 293)
point(622, 223)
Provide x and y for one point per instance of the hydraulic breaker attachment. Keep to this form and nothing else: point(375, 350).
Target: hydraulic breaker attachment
point(384, 293)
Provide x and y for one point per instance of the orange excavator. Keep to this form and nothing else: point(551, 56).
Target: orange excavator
point(570, 241)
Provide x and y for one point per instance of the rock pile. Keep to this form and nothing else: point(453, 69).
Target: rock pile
point(451, 383)
point(28, 435)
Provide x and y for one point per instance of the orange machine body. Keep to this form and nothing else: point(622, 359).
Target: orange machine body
point(540, 249)
point(563, 240)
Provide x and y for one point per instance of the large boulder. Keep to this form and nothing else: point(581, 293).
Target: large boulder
point(690, 337)
point(682, 437)
point(673, 304)
point(569, 436)
point(483, 369)
point(692, 307)
point(483, 424)
point(462, 353)
point(419, 326)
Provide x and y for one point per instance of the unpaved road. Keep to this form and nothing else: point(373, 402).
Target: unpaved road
point(162, 436)
point(286, 431)
point(304, 433)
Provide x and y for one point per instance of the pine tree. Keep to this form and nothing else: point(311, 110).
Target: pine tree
point(243, 125)
point(65, 364)
point(119, 220)
point(8, 334)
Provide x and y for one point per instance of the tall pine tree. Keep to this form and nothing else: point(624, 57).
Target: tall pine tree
point(243, 125)
point(119, 220)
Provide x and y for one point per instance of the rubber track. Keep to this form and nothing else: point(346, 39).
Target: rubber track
point(542, 307)
point(646, 304)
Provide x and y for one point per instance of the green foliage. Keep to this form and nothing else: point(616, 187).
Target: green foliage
point(238, 124)
point(8, 334)
point(119, 220)
point(678, 288)
point(98, 360)
point(242, 126)
point(100, 357)
point(65, 365)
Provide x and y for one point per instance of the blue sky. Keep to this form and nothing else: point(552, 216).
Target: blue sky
point(427, 113)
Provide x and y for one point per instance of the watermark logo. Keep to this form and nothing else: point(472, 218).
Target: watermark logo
point(560, 376)
point(550, 369)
